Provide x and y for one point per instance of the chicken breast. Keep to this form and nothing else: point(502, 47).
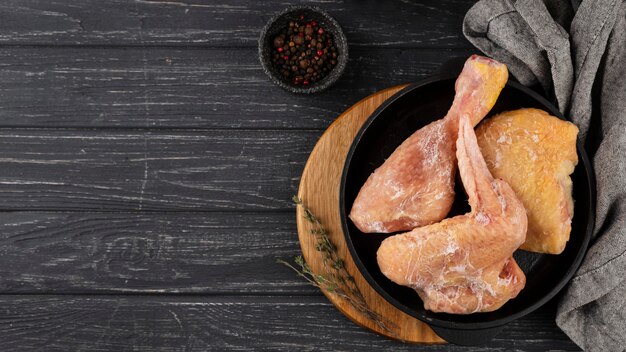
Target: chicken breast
point(535, 153)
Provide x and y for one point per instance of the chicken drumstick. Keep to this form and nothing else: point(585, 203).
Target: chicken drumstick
point(415, 185)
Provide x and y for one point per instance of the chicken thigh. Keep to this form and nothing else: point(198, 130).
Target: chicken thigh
point(463, 264)
point(415, 185)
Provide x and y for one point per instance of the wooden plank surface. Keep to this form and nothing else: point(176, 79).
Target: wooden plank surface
point(176, 88)
point(148, 170)
point(88, 253)
point(147, 165)
point(222, 22)
point(218, 323)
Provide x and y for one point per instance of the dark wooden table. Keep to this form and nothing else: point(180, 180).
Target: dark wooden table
point(147, 165)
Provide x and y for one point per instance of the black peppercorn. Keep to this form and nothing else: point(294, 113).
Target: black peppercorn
point(304, 52)
point(279, 41)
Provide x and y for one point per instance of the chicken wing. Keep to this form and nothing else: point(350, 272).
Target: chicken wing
point(415, 185)
point(463, 264)
point(535, 153)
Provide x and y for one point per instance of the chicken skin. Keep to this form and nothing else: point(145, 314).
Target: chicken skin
point(535, 153)
point(415, 185)
point(464, 264)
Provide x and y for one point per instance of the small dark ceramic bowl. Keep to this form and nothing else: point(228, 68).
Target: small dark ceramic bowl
point(280, 21)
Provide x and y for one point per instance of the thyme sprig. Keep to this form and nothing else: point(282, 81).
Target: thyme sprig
point(336, 278)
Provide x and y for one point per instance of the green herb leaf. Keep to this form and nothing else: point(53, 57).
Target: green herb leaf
point(336, 279)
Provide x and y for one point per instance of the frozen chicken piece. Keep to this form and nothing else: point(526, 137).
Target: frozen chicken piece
point(415, 185)
point(535, 153)
point(464, 264)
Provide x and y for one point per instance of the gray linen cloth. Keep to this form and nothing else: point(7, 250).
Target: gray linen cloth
point(576, 50)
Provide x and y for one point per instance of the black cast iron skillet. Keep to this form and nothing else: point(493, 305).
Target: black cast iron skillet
point(400, 116)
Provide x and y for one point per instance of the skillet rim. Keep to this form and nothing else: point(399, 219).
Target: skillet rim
point(590, 185)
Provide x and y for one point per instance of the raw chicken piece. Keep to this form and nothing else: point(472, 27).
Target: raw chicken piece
point(415, 185)
point(463, 264)
point(535, 153)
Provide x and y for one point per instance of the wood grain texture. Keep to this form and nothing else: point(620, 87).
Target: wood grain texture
point(217, 323)
point(222, 22)
point(320, 191)
point(145, 176)
point(176, 88)
point(144, 170)
point(148, 253)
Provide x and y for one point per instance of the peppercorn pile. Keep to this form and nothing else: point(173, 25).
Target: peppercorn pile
point(304, 52)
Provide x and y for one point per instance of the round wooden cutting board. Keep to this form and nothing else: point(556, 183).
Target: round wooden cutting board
point(319, 191)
